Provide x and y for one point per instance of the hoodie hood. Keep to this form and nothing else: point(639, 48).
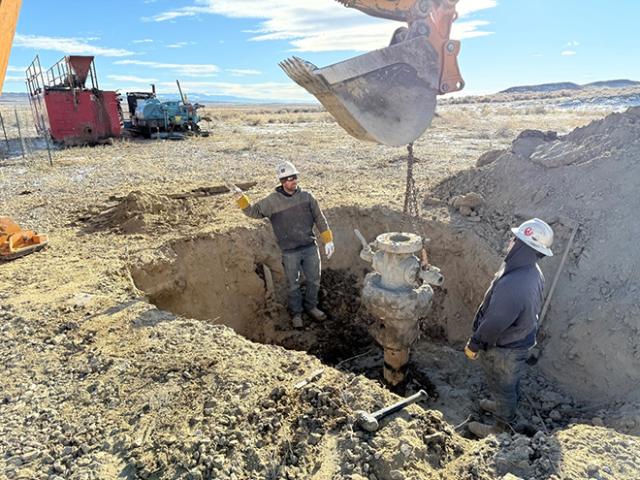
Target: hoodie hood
point(520, 255)
point(280, 189)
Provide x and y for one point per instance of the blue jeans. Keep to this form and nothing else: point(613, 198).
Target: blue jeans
point(503, 368)
point(307, 261)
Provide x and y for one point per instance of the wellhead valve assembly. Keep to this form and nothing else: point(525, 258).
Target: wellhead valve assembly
point(397, 293)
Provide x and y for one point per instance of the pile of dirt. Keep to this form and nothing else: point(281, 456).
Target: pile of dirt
point(138, 212)
point(586, 180)
point(564, 454)
point(186, 399)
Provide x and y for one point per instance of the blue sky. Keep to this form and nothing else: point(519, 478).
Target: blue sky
point(232, 47)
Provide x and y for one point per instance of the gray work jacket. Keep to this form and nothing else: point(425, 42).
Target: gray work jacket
point(292, 217)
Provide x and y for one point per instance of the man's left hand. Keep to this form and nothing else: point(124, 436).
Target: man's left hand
point(329, 248)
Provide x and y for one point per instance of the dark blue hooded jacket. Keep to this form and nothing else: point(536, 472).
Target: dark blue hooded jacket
point(508, 315)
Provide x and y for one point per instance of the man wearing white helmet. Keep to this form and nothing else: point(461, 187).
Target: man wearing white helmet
point(506, 323)
point(293, 212)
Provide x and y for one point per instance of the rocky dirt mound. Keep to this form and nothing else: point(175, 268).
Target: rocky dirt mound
point(587, 180)
point(138, 212)
point(185, 399)
point(565, 454)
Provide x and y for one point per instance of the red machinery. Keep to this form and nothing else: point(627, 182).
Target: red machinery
point(63, 104)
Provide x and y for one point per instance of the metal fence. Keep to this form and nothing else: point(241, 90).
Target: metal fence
point(20, 137)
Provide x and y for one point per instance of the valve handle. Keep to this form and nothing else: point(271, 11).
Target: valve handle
point(363, 241)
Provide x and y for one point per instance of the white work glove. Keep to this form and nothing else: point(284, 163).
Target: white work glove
point(237, 192)
point(329, 248)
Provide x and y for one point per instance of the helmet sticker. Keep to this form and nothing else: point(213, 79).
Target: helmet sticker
point(528, 231)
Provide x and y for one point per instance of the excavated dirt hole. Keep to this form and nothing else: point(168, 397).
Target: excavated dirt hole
point(221, 279)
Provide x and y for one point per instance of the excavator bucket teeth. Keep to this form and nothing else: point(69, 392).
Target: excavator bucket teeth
point(386, 96)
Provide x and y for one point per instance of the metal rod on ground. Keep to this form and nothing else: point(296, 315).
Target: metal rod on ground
point(45, 133)
point(5, 133)
point(558, 272)
point(20, 133)
point(460, 425)
point(342, 362)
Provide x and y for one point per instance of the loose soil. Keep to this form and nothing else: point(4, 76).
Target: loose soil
point(145, 342)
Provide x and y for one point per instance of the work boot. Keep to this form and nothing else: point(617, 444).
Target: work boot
point(296, 321)
point(317, 314)
point(488, 405)
point(482, 430)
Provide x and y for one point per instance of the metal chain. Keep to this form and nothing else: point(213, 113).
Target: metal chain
point(411, 191)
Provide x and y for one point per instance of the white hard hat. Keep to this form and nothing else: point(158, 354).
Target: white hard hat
point(537, 234)
point(286, 169)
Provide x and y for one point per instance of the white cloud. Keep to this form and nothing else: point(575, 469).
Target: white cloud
point(131, 78)
point(186, 69)
point(572, 43)
point(11, 78)
point(568, 53)
point(180, 44)
point(16, 69)
point(67, 45)
point(258, 91)
point(321, 25)
point(144, 40)
point(241, 72)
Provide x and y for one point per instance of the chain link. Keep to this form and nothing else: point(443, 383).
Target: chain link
point(411, 191)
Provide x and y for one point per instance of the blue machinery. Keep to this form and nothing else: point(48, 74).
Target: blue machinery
point(151, 117)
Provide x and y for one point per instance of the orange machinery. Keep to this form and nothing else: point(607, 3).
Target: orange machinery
point(15, 242)
point(388, 95)
point(9, 10)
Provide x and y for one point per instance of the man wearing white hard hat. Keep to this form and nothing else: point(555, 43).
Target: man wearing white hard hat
point(506, 323)
point(293, 212)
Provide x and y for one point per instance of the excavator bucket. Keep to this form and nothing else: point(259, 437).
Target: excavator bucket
point(15, 242)
point(386, 96)
point(389, 95)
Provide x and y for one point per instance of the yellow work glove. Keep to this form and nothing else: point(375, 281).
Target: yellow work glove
point(471, 355)
point(242, 200)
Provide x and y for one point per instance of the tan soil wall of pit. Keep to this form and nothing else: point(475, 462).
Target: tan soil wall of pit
point(214, 277)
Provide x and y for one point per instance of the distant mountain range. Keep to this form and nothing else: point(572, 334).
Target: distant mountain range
point(205, 98)
point(553, 87)
point(8, 97)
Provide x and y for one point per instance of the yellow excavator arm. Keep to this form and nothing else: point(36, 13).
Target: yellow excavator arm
point(389, 95)
point(9, 10)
